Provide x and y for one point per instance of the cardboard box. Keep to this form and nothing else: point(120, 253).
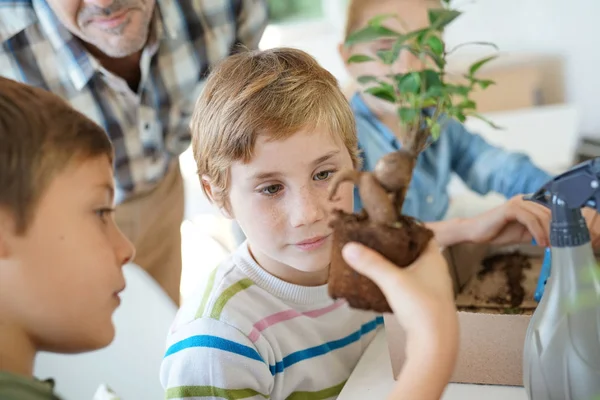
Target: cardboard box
point(491, 344)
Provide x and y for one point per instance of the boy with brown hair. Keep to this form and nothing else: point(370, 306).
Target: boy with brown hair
point(269, 131)
point(61, 252)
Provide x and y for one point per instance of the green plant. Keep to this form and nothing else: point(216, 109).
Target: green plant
point(427, 89)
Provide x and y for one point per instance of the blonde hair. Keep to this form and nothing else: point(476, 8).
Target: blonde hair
point(274, 93)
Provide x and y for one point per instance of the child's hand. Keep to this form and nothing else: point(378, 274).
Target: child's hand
point(516, 221)
point(593, 222)
point(421, 295)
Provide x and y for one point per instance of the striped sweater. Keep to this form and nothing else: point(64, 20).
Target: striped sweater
point(249, 335)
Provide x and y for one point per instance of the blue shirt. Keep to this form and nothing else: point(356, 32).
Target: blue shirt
point(482, 167)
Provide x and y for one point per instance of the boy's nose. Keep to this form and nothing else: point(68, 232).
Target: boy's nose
point(124, 249)
point(307, 208)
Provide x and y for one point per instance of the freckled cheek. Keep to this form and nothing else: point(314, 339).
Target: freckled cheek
point(263, 218)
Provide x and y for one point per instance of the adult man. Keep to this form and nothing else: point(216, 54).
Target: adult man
point(135, 67)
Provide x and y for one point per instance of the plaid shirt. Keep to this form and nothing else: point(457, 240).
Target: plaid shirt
point(148, 128)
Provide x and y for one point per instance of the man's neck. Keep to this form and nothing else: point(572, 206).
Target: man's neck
point(17, 351)
point(127, 67)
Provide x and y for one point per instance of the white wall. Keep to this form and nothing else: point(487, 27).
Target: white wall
point(565, 28)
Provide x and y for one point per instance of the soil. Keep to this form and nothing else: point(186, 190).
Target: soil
point(400, 242)
point(506, 283)
point(512, 265)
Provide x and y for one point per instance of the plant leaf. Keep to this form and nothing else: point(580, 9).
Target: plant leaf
point(467, 104)
point(407, 115)
point(484, 119)
point(359, 58)
point(384, 91)
point(460, 90)
point(436, 129)
point(477, 65)
point(386, 56)
point(366, 79)
point(434, 92)
point(410, 83)
point(378, 19)
point(399, 45)
point(436, 45)
point(370, 33)
point(439, 18)
point(432, 78)
point(484, 83)
point(472, 44)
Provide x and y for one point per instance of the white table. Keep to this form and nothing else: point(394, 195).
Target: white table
point(372, 379)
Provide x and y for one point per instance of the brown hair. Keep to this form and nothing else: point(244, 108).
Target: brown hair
point(275, 93)
point(39, 135)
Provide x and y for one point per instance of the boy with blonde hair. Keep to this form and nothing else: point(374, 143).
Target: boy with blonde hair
point(269, 131)
point(61, 252)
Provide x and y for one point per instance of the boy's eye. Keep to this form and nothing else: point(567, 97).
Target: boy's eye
point(323, 175)
point(271, 190)
point(103, 213)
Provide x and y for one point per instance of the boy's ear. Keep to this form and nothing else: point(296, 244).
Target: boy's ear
point(211, 191)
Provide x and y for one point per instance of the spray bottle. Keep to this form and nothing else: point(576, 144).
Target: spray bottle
point(561, 358)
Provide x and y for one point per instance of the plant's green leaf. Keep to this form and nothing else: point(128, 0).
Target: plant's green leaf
point(477, 65)
point(460, 90)
point(384, 91)
point(359, 58)
point(422, 37)
point(467, 104)
point(370, 33)
point(473, 44)
point(419, 33)
point(438, 60)
point(366, 79)
point(434, 92)
point(410, 83)
point(436, 129)
point(436, 45)
point(378, 19)
point(461, 117)
point(484, 83)
point(408, 116)
point(428, 103)
point(432, 78)
point(484, 119)
point(439, 18)
point(399, 45)
point(386, 56)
